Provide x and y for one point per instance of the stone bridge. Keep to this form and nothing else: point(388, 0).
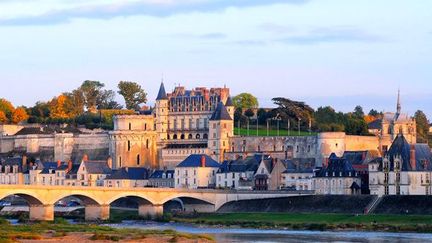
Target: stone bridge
point(97, 200)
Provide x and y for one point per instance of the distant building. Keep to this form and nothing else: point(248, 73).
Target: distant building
point(393, 124)
point(92, 173)
point(359, 161)
point(338, 178)
point(49, 173)
point(14, 171)
point(298, 174)
point(162, 178)
point(238, 174)
point(196, 171)
point(405, 170)
point(128, 177)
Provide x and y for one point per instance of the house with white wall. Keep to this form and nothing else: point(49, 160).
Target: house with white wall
point(196, 171)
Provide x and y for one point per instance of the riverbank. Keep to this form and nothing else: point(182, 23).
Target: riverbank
point(61, 230)
point(321, 222)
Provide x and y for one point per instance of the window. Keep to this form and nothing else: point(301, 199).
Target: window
point(147, 144)
point(128, 145)
point(130, 126)
point(198, 136)
point(205, 136)
point(138, 159)
point(190, 136)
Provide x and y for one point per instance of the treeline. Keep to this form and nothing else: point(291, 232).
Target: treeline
point(90, 105)
point(324, 119)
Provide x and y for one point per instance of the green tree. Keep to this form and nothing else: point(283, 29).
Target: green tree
point(245, 101)
point(328, 120)
point(422, 126)
point(74, 103)
point(263, 115)
point(355, 125)
point(91, 91)
point(132, 93)
point(107, 100)
point(358, 112)
point(249, 113)
point(374, 113)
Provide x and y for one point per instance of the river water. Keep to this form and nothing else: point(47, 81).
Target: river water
point(270, 236)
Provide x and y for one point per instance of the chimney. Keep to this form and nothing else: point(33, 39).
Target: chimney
point(58, 163)
point(24, 161)
point(413, 157)
point(203, 161)
point(85, 158)
point(109, 162)
point(69, 165)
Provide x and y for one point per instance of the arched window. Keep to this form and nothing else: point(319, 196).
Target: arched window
point(182, 136)
point(130, 126)
point(198, 136)
point(168, 137)
point(145, 126)
point(190, 136)
point(205, 136)
point(147, 144)
point(138, 159)
point(175, 136)
point(129, 145)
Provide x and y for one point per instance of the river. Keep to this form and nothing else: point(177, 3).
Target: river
point(270, 236)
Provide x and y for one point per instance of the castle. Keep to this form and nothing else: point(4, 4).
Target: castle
point(184, 122)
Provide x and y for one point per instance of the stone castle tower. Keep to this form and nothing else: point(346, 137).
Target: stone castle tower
point(221, 127)
point(161, 113)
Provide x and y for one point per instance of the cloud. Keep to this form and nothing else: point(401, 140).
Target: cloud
point(206, 36)
point(276, 28)
point(156, 8)
point(330, 35)
point(250, 42)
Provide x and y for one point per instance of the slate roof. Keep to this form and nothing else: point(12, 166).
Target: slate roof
point(130, 173)
point(239, 166)
point(299, 165)
point(157, 174)
point(375, 125)
point(339, 166)
point(401, 147)
point(47, 130)
point(162, 94)
point(194, 160)
point(220, 113)
point(15, 161)
point(229, 102)
point(97, 167)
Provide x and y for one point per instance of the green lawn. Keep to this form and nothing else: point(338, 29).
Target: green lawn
point(263, 132)
point(317, 218)
point(393, 223)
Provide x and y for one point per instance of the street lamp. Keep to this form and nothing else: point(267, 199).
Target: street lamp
point(299, 119)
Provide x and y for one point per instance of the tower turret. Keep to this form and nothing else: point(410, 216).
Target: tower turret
point(230, 107)
point(162, 113)
point(221, 126)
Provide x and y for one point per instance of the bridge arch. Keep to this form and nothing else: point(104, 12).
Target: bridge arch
point(87, 197)
point(139, 198)
point(30, 198)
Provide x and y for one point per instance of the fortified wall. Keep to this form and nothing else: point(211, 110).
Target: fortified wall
point(319, 146)
point(56, 146)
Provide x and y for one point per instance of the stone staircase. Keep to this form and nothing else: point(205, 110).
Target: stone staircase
point(372, 205)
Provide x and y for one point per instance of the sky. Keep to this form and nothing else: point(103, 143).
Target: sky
point(324, 52)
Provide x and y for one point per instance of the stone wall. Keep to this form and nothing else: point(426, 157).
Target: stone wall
point(60, 146)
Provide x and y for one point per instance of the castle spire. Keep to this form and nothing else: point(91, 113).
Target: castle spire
point(398, 106)
point(162, 94)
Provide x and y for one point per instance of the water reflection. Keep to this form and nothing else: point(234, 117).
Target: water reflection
point(270, 236)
